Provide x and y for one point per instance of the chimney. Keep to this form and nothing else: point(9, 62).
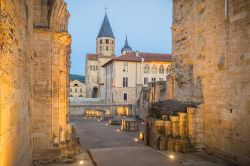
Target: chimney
point(137, 54)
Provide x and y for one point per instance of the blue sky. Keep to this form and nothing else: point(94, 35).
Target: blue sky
point(146, 22)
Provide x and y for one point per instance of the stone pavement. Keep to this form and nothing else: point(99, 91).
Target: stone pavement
point(146, 156)
point(107, 147)
point(82, 159)
point(96, 134)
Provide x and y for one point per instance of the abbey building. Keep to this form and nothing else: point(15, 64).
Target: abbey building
point(119, 79)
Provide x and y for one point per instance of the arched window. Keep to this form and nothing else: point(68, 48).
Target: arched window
point(161, 70)
point(146, 68)
point(168, 70)
point(154, 69)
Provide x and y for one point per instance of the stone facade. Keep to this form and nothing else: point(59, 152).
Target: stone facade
point(211, 49)
point(138, 71)
point(34, 69)
point(77, 89)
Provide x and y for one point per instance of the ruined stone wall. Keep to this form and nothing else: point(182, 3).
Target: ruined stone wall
point(182, 132)
point(50, 75)
point(15, 83)
point(157, 91)
point(211, 51)
point(34, 66)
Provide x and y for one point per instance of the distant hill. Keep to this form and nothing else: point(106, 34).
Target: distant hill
point(77, 77)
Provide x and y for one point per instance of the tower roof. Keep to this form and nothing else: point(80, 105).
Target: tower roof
point(126, 47)
point(106, 30)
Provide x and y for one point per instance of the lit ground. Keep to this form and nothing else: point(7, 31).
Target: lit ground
point(111, 148)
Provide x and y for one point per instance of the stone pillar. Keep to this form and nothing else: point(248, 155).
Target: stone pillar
point(175, 125)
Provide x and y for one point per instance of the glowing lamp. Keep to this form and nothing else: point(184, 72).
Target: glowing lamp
point(171, 156)
point(141, 136)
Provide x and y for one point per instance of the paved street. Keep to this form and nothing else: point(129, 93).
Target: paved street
point(110, 147)
point(94, 134)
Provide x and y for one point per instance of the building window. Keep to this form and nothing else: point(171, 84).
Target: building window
point(101, 41)
point(75, 90)
point(100, 48)
point(160, 79)
point(107, 48)
point(168, 70)
point(80, 90)
point(96, 67)
point(107, 41)
point(161, 70)
point(125, 96)
point(125, 67)
point(154, 69)
point(153, 79)
point(125, 81)
point(70, 89)
point(146, 68)
point(145, 80)
point(112, 41)
point(75, 84)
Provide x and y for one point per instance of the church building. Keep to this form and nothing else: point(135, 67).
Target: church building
point(119, 79)
point(105, 51)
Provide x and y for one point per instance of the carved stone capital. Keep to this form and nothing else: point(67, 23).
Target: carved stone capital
point(63, 38)
point(7, 31)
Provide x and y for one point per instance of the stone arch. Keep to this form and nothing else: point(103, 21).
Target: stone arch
point(59, 16)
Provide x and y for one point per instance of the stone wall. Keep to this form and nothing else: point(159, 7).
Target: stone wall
point(211, 49)
point(157, 91)
point(182, 132)
point(34, 68)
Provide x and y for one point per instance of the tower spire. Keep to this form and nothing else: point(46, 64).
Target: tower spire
point(126, 48)
point(126, 42)
point(106, 30)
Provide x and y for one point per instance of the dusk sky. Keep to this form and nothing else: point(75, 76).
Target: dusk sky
point(146, 22)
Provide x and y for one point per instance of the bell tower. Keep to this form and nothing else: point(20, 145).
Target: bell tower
point(105, 41)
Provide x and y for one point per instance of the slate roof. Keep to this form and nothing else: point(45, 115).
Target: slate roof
point(106, 30)
point(92, 57)
point(146, 56)
point(126, 47)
